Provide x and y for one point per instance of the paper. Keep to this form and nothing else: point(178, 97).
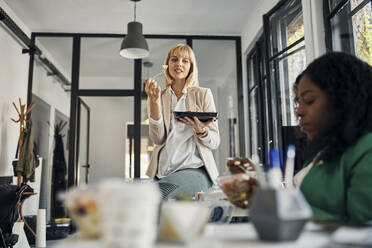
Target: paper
point(353, 235)
point(41, 228)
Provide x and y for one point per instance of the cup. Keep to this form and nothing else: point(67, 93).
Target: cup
point(82, 205)
point(129, 213)
point(182, 221)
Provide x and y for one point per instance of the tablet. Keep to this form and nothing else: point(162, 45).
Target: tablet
point(202, 116)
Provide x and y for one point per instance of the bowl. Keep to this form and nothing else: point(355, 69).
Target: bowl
point(239, 188)
point(239, 165)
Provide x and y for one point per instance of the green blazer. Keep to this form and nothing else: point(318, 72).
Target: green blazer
point(343, 192)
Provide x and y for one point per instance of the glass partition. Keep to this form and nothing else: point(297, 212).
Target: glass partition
point(216, 61)
point(106, 81)
point(151, 66)
point(101, 66)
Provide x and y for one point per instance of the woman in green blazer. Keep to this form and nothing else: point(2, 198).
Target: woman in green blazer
point(334, 106)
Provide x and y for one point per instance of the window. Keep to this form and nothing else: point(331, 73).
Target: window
point(349, 27)
point(255, 65)
point(285, 41)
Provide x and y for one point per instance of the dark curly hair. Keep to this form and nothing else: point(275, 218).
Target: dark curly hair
point(348, 83)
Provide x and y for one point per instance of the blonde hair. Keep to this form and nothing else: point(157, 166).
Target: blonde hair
point(184, 51)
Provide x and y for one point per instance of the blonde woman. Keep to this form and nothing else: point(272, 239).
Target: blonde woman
point(182, 161)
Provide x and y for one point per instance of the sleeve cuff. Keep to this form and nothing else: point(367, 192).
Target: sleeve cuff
point(205, 138)
point(156, 122)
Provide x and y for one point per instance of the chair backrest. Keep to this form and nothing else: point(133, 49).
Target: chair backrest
point(10, 195)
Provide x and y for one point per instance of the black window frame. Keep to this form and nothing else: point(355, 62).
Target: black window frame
point(329, 13)
point(276, 139)
point(256, 59)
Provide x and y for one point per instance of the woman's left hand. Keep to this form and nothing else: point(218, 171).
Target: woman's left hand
point(196, 124)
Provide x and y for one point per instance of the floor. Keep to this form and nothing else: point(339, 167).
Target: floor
point(49, 243)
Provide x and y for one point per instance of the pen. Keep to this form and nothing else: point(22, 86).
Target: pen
point(289, 166)
point(260, 173)
point(275, 173)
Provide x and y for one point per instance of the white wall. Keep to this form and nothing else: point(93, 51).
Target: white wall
point(13, 84)
point(314, 29)
point(49, 89)
point(254, 21)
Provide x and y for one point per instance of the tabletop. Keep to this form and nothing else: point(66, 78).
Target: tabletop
point(228, 236)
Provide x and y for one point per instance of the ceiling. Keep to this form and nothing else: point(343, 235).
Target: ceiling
point(182, 17)
point(217, 17)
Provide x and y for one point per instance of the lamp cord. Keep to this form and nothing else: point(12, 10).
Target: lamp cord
point(135, 4)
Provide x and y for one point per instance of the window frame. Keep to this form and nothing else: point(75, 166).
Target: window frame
point(255, 59)
point(328, 14)
point(275, 134)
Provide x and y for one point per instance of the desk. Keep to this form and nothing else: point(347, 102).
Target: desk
point(228, 236)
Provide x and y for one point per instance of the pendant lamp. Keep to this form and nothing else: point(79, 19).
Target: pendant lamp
point(134, 45)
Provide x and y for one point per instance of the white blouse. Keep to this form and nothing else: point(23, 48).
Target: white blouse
point(299, 177)
point(180, 151)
